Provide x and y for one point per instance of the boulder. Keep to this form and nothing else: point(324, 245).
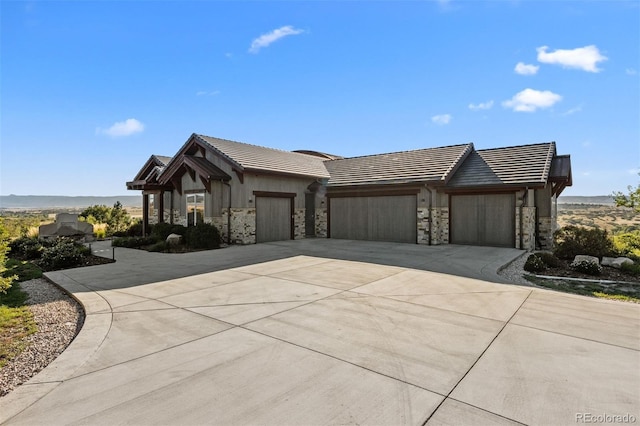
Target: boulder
point(585, 258)
point(607, 261)
point(174, 239)
point(619, 261)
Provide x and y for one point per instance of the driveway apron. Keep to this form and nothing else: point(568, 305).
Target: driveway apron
point(320, 331)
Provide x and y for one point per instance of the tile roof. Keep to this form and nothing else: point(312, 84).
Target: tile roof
point(422, 165)
point(514, 165)
point(258, 158)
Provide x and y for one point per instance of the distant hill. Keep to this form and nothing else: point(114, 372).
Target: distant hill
point(604, 200)
point(59, 201)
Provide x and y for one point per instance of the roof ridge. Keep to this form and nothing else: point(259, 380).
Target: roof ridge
point(251, 145)
point(401, 152)
point(515, 146)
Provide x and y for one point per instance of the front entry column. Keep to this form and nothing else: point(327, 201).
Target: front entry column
point(145, 214)
point(160, 204)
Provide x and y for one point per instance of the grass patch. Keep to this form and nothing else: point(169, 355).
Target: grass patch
point(614, 291)
point(24, 269)
point(16, 323)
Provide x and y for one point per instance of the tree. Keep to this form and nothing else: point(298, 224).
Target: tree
point(5, 282)
point(96, 214)
point(119, 220)
point(628, 200)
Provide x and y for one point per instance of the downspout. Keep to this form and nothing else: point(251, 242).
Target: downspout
point(228, 213)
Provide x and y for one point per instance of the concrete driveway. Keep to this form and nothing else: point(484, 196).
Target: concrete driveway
point(332, 332)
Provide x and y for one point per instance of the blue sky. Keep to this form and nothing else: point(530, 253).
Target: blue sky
point(90, 90)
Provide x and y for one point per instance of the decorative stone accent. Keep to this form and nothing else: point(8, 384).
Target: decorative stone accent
point(298, 224)
point(243, 225)
point(585, 258)
point(607, 261)
point(423, 225)
point(525, 228)
point(619, 261)
point(321, 223)
point(546, 228)
point(174, 239)
point(440, 225)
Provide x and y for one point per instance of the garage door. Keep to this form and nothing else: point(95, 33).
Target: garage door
point(273, 219)
point(382, 218)
point(486, 219)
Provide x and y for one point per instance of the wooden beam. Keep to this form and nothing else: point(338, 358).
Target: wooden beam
point(240, 175)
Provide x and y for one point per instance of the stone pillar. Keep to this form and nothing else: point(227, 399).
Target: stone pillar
point(423, 225)
point(321, 223)
point(439, 225)
point(299, 224)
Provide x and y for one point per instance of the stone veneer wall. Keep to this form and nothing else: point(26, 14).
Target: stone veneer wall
point(423, 225)
point(440, 225)
point(243, 225)
point(321, 223)
point(298, 224)
point(526, 228)
point(546, 228)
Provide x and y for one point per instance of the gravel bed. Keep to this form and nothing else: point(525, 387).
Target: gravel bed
point(514, 272)
point(59, 318)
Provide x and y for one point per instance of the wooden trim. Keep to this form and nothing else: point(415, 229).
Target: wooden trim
point(491, 189)
point(378, 193)
point(239, 174)
point(328, 217)
point(274, 194)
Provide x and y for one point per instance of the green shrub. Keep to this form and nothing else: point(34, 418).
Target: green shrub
point(63, 253)
point(162, 230)
point(132, 242)
point(571, 241)
point(135, 229)
point(202, 236)
point(549, 259)
point(160, 246)
point(26, 248)
point(534, 264)
point(631, 269)
point(586, 267)
point(628, 244)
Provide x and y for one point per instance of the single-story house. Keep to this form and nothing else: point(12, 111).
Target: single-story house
point(453, 194)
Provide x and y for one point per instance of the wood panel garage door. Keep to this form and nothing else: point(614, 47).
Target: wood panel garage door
point(485, 219)
point(382, 218)
point(273, 219)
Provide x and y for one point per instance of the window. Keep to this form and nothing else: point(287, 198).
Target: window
point(195, 209)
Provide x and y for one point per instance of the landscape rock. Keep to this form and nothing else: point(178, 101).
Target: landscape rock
point(619, 261)
point(607, 261)
point(174, 239)
point(585, 258)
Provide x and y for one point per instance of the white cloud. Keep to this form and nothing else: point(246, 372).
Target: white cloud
point(481, 105)
point(573, 110)
point(631, 71)
point(123, 128)
point(583, 58)
point(206, 93)
point(526, 69)
point(529, 100)
point(266, 39)
point(442, 119)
